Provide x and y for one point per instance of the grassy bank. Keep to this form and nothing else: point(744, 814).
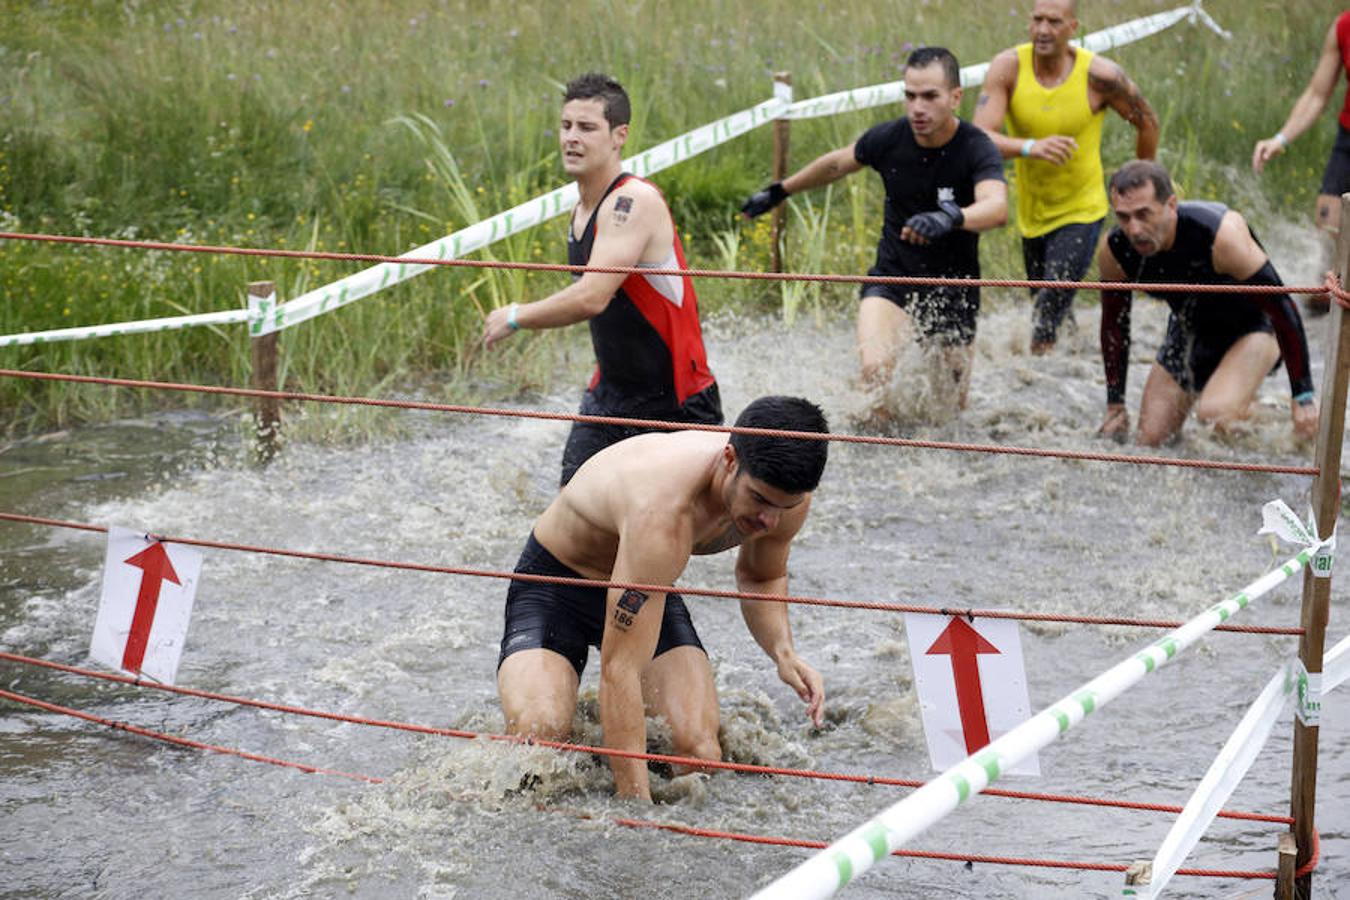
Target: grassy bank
point(271, 124)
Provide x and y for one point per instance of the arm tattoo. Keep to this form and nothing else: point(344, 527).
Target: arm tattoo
point(623, 207)
point(1111, 85)
point(630, 604)
point(1123, 95)
point(983, 101)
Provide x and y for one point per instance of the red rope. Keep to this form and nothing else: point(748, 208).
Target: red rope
point(660, 588)
point(677, 426)
point(647, 824)
point(643, 270)
point(692, 762)
point(180, 741)
point(1333, 287)
point(955, 857)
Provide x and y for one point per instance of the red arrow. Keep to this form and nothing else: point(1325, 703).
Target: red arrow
point(963, 644)
point(155, 567)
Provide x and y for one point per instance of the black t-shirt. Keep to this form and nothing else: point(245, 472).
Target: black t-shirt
point(916, 178)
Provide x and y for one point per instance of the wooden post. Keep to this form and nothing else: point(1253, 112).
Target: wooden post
point(1326, 504)
point(782, 133)
point(1284, 877)
point(266, 410)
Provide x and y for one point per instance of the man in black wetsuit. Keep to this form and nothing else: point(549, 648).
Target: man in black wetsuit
point(944, 184)
point(650, 361)
point(1219, 347)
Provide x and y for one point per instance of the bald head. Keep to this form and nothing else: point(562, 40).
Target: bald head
point(1053, 23)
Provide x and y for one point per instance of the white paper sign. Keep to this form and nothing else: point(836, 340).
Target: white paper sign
point(972, 685)
point(148, 587)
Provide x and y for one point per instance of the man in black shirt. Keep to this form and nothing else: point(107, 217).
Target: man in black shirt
point(944, 184)
point(1219, 347)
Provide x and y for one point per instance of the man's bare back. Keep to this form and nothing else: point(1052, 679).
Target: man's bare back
point(672, 478)
point(634, 513)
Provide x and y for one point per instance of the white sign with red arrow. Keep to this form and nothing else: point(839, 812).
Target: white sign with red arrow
point(971, 682)
point(148, 587)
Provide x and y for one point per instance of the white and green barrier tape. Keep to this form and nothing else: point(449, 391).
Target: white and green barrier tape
point(830, 869)
point(1227, 770)
point(1232, 764)
point(973, 76)
point(1336, 665)
point(556, 202)
point(85, 332)
point(1279, 520)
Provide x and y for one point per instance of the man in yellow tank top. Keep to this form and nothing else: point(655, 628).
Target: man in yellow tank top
point(1050, 98)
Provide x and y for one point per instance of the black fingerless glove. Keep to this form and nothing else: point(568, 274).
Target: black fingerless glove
point(939, 222)
point(762, 201)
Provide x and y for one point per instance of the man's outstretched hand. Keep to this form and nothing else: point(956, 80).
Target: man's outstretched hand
point(939, 222)
point(798, 674)
point(761, 202)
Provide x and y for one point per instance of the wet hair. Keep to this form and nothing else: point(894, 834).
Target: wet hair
point(791, 465)
point(1137, 173)
point(599, 86)
point(927, 56)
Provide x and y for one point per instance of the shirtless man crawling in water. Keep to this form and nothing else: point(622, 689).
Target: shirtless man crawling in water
point(636, 512)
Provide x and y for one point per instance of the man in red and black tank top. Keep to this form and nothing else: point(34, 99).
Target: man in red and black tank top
point(1334, 59)
point(650, 360)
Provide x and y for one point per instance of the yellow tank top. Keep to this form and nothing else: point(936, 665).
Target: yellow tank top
point(1050, 196)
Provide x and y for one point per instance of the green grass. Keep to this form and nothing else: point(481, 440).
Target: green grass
point(377, 127)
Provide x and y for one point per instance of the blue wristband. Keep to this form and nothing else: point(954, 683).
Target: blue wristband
point(1304, 399)
point(511, 317)
point(1027, 145)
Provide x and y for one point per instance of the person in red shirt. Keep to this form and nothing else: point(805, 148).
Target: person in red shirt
point(650, 359)
point(1334, 60)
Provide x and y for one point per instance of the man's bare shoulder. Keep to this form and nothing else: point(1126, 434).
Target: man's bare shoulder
point(1107, 77)
point(1236, 253)
point(632, 196)
point(1002, 68)
point(679, 455)
point(636, 216)
point(651, 470)
point(646, 484)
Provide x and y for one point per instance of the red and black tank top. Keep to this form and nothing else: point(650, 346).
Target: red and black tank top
point(649, 353)
point(1343, 42)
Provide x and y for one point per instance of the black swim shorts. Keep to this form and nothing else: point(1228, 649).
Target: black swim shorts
point(943, 314)
point(569, 619)
point(1191, 358)
point(1336, 177)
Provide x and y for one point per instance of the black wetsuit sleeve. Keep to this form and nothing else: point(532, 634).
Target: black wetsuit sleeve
point(1115, 336)
point(1288, 330)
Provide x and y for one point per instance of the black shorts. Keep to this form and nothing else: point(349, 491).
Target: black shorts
point(568, 619)
point(588, 438)
point(944, 314)
point(1336, 178)
point(1191, 359)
